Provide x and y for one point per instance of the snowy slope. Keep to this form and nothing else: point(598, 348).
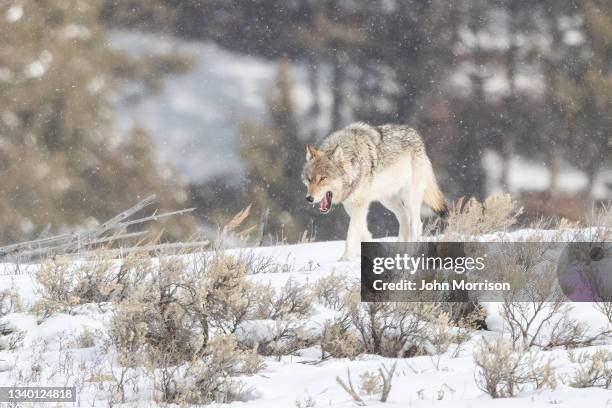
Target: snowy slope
point(199, 114)
point(418, 383)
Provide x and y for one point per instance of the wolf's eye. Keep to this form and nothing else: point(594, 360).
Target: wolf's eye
point(322, 178)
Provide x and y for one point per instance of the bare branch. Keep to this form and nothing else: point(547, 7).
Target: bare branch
point(350, 390)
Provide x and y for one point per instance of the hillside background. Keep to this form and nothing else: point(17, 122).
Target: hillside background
point(210, 104)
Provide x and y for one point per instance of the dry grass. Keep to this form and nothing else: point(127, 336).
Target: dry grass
point(593, 369)
point(503, 371)
point(10, 302)
point(497, 213)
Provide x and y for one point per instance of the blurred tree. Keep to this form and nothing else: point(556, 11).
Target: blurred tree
point(527, 90)
point(585, 90)
point(61, 162)
point(274, 155)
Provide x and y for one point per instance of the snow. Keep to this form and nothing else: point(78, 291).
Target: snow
point(14, 13)
point(37, 69)
point(420, 381)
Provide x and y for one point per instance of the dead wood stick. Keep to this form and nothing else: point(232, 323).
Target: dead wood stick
point(350, 390)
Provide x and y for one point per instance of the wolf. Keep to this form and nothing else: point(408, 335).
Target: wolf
point(362, 163)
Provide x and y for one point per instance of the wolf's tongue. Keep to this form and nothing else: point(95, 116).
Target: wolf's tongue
point(323, 203)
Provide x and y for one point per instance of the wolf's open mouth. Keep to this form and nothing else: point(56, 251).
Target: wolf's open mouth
point(326, 202)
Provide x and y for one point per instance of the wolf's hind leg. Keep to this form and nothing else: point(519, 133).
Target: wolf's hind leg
point(412, 200)
point(397, 207)
point(358, 229)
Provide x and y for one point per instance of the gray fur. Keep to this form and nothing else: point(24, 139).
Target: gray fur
point(363, 163)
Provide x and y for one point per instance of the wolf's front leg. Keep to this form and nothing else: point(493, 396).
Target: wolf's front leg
point(358, 229)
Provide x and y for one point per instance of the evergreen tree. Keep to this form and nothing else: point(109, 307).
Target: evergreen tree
point(585, 90)
point(61, 161)
point(274, 156)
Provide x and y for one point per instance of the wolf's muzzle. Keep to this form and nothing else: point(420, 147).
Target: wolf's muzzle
point(310, 199)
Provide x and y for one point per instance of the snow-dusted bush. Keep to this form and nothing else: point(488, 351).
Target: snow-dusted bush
point(154, 323)
point(330, 290)
point(534, 310)
point(276, 325)
point(593, 370)
point(63, 283)
point(606, 309)
point(391, 329)
point(173, 324)
point(181, 301)
point(9, 302)
point(340, 340)
point(496, 213)
point(293, 299)
point(212, 377)
point(275, 337)
point(503, 371)
point(217, 292)
point(370, 383)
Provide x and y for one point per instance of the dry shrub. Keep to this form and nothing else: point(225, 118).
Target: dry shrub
point(211, 377)
point(58, 282)
point(252, 362)
point(155, 323)
point(306, 402)
point(441, 337)
point(178, 304)
point(87, 338)
point(63, 283)
point(594, 369)
point(339, 340)
point(329, 290)
point(12, 341)
point(443, 334)
point(168, 322)
point(391, 329)
point(281, 314)
point(276, 337)
point(606, 309)
point(534, 310)
point(219, 293)
point(292, 300)
point(10, 302)
point(370, 383)
point(497, 213)
point(503, 372)
point(465, 326)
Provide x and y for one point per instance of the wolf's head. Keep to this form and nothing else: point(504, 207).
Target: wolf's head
point(323, 176)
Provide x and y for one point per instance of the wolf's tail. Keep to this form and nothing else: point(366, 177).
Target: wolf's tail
point(434, 198)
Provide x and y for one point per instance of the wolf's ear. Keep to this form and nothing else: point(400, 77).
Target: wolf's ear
point(337, 154)
point(311, 152)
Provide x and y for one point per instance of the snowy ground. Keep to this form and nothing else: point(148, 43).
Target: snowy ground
point(65, 358)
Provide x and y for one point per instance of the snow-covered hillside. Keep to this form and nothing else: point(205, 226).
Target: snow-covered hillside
point(68, 349)
point(198, 115)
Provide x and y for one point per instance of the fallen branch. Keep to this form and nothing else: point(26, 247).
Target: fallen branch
point(144, 248)
point(350, 390)
point(110, 231)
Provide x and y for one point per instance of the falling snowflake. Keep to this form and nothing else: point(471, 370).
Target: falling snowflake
point(14, 13)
